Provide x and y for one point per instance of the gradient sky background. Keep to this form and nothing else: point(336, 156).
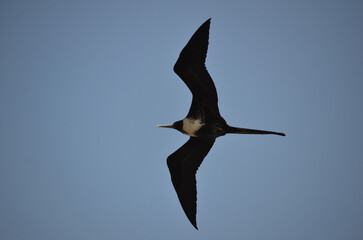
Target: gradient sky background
point(83, 85)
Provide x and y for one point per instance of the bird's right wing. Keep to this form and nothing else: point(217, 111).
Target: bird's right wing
point(183, 165)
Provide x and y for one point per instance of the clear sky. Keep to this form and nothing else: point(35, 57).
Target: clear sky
point(83, 85)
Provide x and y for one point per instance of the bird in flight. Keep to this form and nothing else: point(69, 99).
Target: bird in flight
point(203, 122)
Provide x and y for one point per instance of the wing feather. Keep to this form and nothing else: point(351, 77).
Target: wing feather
point(190, 67)
point(183, 165)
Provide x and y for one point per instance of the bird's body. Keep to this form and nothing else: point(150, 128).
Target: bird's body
point(203, 122)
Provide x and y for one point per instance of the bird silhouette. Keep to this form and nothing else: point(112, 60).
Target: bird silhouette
point(203, 122)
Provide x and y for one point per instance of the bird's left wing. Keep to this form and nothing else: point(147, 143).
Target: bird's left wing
point(190, 67)
point(183, 165)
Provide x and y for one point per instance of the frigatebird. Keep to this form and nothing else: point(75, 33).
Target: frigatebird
point(203, 123)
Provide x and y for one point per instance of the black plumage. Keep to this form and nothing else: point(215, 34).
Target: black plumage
point(203, 122)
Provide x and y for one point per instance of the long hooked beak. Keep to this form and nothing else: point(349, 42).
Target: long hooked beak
point(166, 126)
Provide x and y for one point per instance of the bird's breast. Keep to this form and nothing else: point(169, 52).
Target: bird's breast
point(191, 126)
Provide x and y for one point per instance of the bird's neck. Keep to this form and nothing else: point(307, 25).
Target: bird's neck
point(191, 126)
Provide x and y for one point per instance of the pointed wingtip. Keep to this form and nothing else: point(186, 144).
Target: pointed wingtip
point(195, 225)
point(193, 220)
point(207, 22)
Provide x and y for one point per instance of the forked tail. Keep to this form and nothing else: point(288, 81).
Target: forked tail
point(251, 131)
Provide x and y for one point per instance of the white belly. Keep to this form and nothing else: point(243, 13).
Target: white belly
point(190, 126)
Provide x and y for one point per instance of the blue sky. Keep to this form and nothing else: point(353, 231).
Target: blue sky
point(83, 85)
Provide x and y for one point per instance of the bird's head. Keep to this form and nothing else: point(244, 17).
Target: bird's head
point(178, 125)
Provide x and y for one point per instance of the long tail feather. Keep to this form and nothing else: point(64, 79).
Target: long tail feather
point(251, 131)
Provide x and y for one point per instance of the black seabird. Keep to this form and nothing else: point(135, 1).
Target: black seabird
point(203, 123)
